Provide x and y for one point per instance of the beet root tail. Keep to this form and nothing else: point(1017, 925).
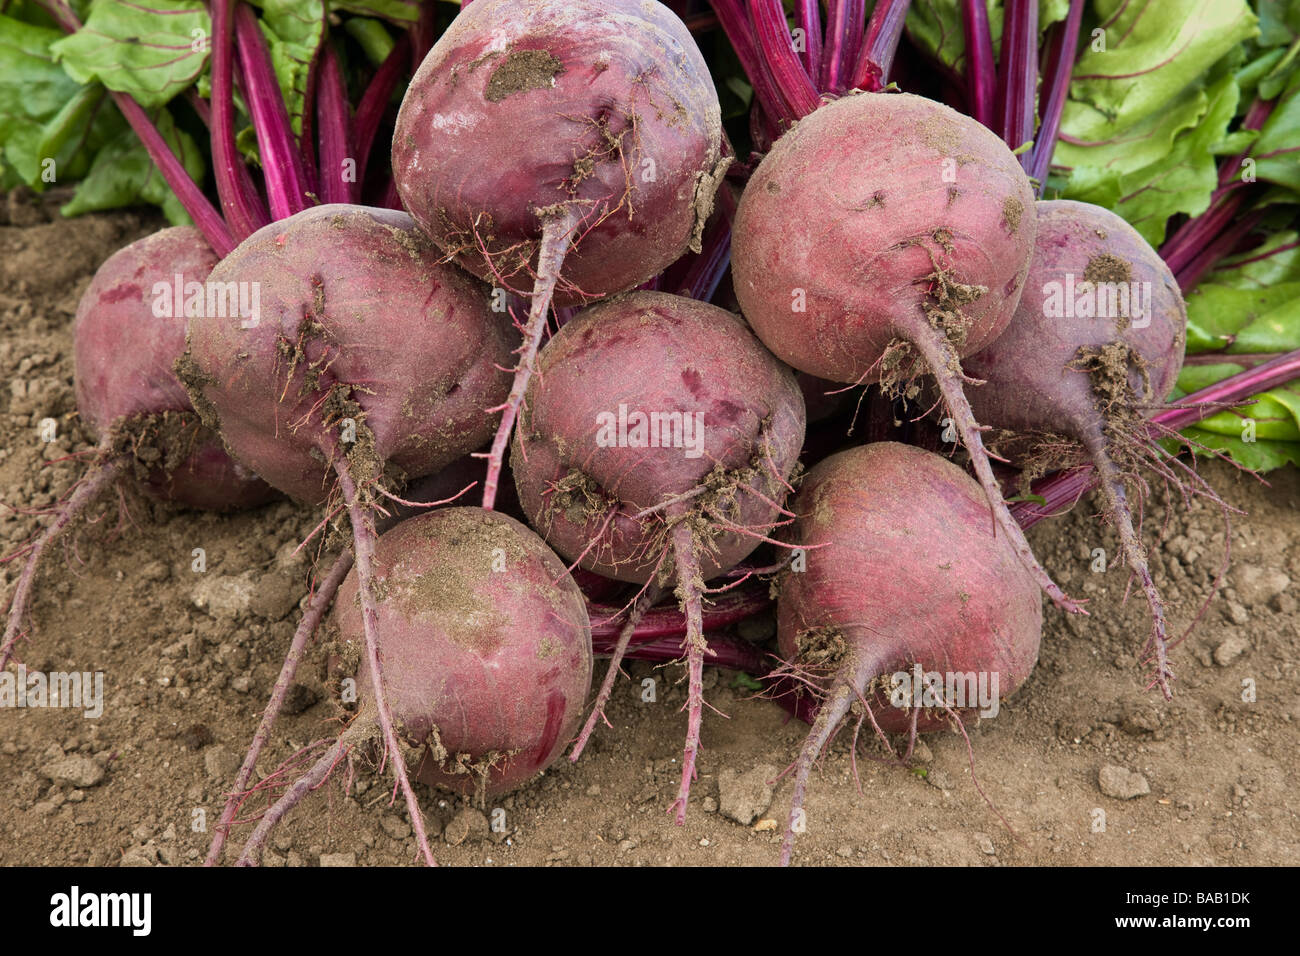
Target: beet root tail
point(828, 718)
point(557, 237)
point(850, 686)
point(690, 584)
point(251, 855)
point(943, 362)
point(1111, 486)
point(306, 628)
point(363, 543)
point(90, 488)
point(644, 602)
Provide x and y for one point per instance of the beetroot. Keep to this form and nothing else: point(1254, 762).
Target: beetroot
point(687, 493)
point(1095, 346)
point(371, 363)
point(576, 142)
point(127, 333)
point(359, 322)
point(884, 237)
point(486, 649)
point(488, 664)
point(902, 569)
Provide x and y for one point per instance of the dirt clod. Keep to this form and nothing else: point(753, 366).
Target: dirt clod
point(75, 771)
point(744, 796)
point(467, 825)
point(523, 70)
point(1122, 783)
point(1257, 586)
point(1231, 649)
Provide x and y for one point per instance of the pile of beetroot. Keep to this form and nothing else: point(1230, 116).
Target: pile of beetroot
point(537, 363)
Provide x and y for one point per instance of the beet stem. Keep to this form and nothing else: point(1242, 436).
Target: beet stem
point(282, 166)
point(689, 585)
point(792, 81)
point(557, 235)
point(1113, 493)
point(875, 55)
point(734, 17)
point(643, 603)
point(374, 101)
point(809, 17)
point(1061, 53)
point(251, 855)
point(335, 133)
point(941, 357)
point(729, 608)
point(422, 33)
point(306, 628)
point(90, 488)
point(981, 73)
point(1018, 75)
point(363, 540)
point(726, 652)
point(240, 201)
point(839, 37)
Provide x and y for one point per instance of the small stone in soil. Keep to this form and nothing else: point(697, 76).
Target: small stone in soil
point(939, 780)
point(220, 763)
point(468, 824)
point(1230, 649)
point(1122, 783)
point(745, 796)
point(76, 770)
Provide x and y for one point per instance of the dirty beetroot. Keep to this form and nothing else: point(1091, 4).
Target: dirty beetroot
point(888, 276)
point(674, 504)
point(129, 330)
point(1094, 349)
point(615, 135)
point(486, 646)
point(903, 571)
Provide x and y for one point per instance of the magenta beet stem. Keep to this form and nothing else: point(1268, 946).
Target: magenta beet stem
point(668, 621)
point(730, 653)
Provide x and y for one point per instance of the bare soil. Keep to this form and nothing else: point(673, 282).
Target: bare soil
point(186, 677)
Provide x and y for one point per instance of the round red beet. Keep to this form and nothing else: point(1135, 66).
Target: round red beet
point(128, 334)
point(485, 647)
point(883, 238)
point(357, 322)
point(1095, 347)
point(903, 569)
point(605, 105)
